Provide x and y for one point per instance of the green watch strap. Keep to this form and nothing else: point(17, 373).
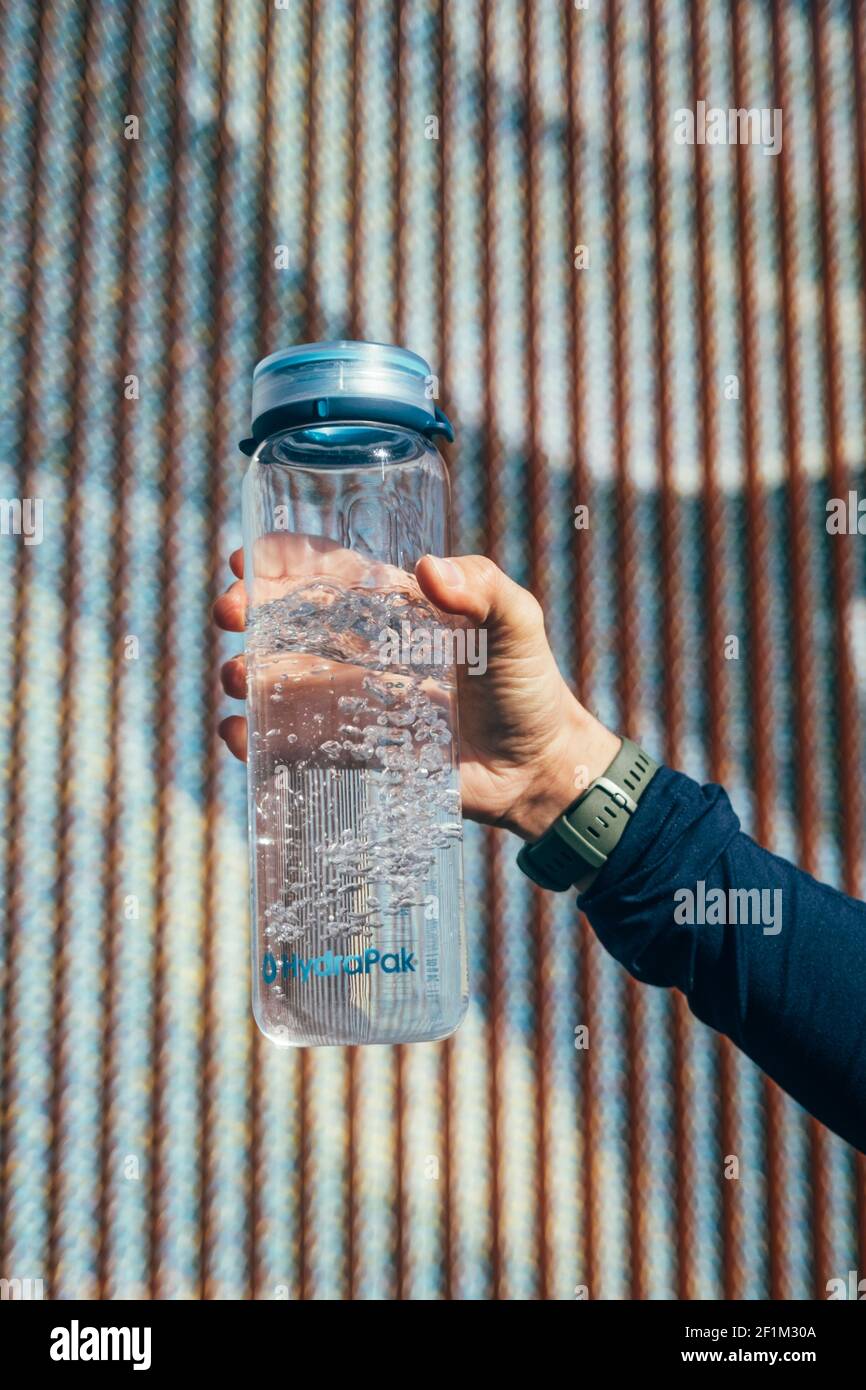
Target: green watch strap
point(582, 839)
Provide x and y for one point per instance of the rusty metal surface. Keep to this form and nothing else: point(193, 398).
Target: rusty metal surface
point(429, 167)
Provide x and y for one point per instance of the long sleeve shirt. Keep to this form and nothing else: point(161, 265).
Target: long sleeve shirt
point(762, 951)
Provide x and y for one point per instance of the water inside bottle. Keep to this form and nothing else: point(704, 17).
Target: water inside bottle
point(354, 816)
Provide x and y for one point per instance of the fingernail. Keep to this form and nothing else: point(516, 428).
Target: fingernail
point(447, 571)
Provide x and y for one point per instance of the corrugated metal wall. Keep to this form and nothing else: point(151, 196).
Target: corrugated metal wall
point(429, 167)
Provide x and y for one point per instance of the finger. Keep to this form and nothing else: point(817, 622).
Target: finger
point(475, 588)
point(296, 555)
point(236, 563)
point(234, 678)
point(233, 731)
point(230, 609)
point(282, 559)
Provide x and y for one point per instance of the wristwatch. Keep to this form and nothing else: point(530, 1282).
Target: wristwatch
point(582, 839)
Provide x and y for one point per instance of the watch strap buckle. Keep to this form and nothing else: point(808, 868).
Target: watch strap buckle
point(580, 841)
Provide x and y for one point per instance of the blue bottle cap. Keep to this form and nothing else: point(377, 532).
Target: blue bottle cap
point(317, 383)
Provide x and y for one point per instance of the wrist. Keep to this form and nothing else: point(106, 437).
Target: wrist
point(582, 750)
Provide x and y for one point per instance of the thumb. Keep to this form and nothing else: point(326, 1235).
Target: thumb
point(473, 587)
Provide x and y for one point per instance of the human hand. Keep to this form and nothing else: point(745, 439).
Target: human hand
point(527, 745)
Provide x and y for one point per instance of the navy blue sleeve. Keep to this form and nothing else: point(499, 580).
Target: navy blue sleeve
point(761, 950)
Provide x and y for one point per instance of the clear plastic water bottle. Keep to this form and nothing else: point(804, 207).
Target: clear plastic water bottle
point(354, 805)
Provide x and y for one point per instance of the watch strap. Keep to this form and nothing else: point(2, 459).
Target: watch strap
point(582, 839)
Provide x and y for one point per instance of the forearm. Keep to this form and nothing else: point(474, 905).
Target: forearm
point(788, 988)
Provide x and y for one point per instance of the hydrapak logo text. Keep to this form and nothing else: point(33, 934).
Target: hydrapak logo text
point(297, 968)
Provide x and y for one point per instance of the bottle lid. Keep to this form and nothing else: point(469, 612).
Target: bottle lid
point(315, 383)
